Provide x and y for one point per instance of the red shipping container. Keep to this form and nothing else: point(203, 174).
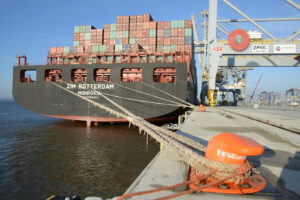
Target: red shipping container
point(160, 25)
point(167, 25)
point(139, 33)
point(132, 33)
point(180, 47)
point(146, 33)
point(180, 40)
point(152, 41)
point(180, 32)
point(88, 50)
point(112, 41)
point(138, 40)
point(119, 34)
point(132, 19)
point(125, 26)
point(93, 32)
point(173, 40)
point(160, 33)
point(139, 18)
point(160, 41)
point(139, 25)
point(76, 36)
point(152, 25)
point(53, 50)
point(145, 41)
point(119, 27)
point(125, 19)
point(167, 41)
point(106, 26)
point(147, 18)
point(152, 48)
point(173, 32)
point(160, 48)
point(119, 19)
point(146, 25)
point(188, 48)
point(187, 23)
point(99, 31)
point(125, 41)
point(82, 36)
point(132, 26)
point(106, 41)
point(80, 50)
point(110, 48)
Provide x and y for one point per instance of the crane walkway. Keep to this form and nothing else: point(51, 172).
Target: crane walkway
point(279, 164)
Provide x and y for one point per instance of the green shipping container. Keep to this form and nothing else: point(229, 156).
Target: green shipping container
point(95, 48)
point(76, 43)
point(118, 59)
point(82, 29)
point(167, 49)
point(188, 32)
point(152, 33)
point(112, 34)
point(180, 24)
point(174, 47)
point(174, 24)
point(132, 41)
point(125, 34)
point(113, 27)
point(87, 36)
point(76, 29)
point(66, 49)
point(108, 58)
point(102, 48)
point(118, 48)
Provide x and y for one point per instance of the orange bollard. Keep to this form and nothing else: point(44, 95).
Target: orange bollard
point(232, 149)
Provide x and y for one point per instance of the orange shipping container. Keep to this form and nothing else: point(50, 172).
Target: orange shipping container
point(132, 19)
point(187, 23)
point(107, 27)
point(112, 41)
point(76, 36)
point(146, 25)
point(119, 34)
point(145, 33)
point(160, 33)
point(160, 25)
point(139, 33)
point(173, 32)
point(167, 41)
point(173, 40)
point(125, 26)
point(147, 18)
point(167, 25)
point(53, 50)
point(139, 25)
point(119, 27)
point(125, 19)
point(125, 41)
point(132, 26)
point(180, 40)
point(139, 18)
point(152, 25)
point(119, 19)
point(145, 41)
point(180, 32)
point(152, 41)
point(132, 33)
point(160, 41)
point(138, 40)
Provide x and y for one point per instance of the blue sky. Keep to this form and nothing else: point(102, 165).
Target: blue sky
point(33, 26)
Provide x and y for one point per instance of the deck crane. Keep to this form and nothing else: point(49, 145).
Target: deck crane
point(239, 50)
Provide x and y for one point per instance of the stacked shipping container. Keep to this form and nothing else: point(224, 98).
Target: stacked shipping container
point(131, 34)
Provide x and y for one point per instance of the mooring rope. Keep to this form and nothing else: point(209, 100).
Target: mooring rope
point(183, 150)
point(148, 94)
point(183, 101)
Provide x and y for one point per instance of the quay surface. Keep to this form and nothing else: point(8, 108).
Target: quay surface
point(279, 164)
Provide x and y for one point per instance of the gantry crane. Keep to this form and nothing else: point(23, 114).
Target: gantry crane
point(221, 58)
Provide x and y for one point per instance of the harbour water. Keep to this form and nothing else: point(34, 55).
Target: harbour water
point(41, 156)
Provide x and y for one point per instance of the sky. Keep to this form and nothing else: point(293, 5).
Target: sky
point(33, 26)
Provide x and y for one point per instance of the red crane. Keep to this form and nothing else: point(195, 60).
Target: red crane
point(255, 89)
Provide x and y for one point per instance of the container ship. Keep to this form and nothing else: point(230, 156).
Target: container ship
point(124, 60)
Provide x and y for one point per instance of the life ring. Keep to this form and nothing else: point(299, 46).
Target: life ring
point(238, 40)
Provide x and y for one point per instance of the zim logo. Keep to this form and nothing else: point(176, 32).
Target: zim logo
point(277, 48)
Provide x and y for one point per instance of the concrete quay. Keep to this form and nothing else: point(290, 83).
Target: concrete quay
point(279, 164)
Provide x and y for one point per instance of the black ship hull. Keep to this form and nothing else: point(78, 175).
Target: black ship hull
point(46, 98)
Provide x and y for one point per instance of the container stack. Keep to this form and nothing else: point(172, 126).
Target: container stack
point(131, 34)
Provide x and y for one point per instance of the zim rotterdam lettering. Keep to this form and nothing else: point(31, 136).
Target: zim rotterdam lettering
point(91, 86)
